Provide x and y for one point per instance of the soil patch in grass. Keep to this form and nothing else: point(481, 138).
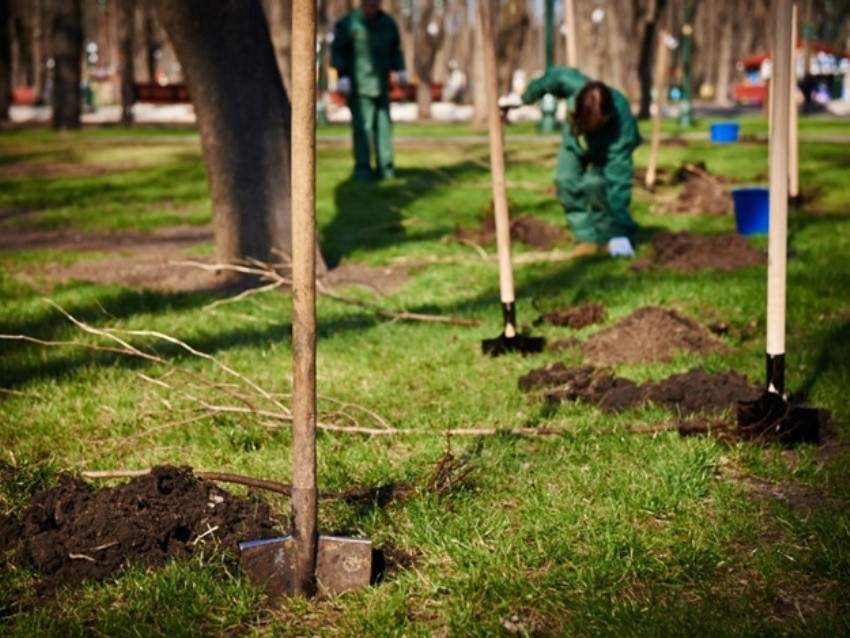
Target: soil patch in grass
point(700, 192)
point(157, 261)
point(690, 252)
point(649, 334)
point(73, 533)
point(526, 229)
point(693, 392)
point(576, 317)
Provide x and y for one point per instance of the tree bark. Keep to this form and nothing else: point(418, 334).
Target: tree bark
point(426, 45)
point(5, 60)
point(67, 37)
point(126, 32)
point(244, 118)
point(279, 14)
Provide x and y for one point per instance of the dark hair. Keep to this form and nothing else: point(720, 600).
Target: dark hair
point(594, 105)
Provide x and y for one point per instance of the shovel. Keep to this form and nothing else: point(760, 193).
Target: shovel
point(510, 340)
point(303, 561)
point(770, 416)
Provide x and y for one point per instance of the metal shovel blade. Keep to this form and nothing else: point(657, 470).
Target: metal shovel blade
point(342, 564)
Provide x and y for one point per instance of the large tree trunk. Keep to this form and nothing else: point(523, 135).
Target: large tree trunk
point(126, 29)
point(244, 117)
point(279, 14)
point(67, 37)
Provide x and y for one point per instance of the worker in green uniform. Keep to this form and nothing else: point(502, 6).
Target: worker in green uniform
point(365, 49)
point(594, 167)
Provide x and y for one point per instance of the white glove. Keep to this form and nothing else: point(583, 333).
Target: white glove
point(343, 85)
point(620, 247)
point(510, 101)
point(401, 78)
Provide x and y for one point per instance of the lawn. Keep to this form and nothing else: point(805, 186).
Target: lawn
point(593, 526)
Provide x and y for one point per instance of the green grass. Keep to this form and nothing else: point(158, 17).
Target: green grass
point(593, 531)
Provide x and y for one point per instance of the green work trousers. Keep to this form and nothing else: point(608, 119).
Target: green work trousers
point(595, 201)
point(371, 127)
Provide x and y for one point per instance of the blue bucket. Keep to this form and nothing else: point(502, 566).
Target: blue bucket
point(723, 132)
point(752, 210)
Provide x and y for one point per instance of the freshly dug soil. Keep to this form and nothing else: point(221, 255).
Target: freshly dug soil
point(701, 192)
point(693, 392)
point(73, 533)
point(688, 252)
point(648, 334)
point(526, 229)
point(576, 317)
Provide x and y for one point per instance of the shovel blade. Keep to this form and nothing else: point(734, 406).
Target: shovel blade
point(518, 343)
point(342, 564)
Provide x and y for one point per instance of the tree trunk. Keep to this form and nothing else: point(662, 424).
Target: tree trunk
point(244, 118)
point(67, 37)
point(479, 83)
point(279, 14)
point(126, 29)
point(647, 27)
point(725, 62)
point(426, 44)
point(5, 60)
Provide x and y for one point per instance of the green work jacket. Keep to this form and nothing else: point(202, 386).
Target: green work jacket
point(609, 149)
point(366, 51)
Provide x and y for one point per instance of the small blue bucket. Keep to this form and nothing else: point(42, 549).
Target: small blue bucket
point(752, 210)
point(724, 132)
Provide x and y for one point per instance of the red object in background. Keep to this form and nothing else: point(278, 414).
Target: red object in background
point(396, 93)
point(23, 95)
point(161, 94)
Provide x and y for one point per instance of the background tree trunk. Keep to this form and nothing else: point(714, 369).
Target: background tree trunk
point(67, 39)
point(428, 39)
point(244, 118)
point(5, 60)
point(479, 83)
point(126, 37)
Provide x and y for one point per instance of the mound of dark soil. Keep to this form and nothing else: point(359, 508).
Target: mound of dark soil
point(688, 252)
point(576, 317)
point(526, 229)
point(693, 392)
point(649, 334)
point(701, 192)
point(73, 533)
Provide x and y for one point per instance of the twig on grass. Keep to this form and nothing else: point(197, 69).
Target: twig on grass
point(270, 273)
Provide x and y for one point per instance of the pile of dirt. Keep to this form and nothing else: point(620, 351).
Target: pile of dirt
point(526, 229)
point(576, 317)
point(73, 533)
point(693, 392)
point(701, 192)
point(649, 334)
point(688, 252)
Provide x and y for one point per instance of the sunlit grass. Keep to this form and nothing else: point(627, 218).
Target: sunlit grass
point(596, 530)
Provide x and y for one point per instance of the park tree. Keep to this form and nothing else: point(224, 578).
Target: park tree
point(67, 44)
point(126, 44)
point(5, 60)
point(243, 114)
point(428, 36)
